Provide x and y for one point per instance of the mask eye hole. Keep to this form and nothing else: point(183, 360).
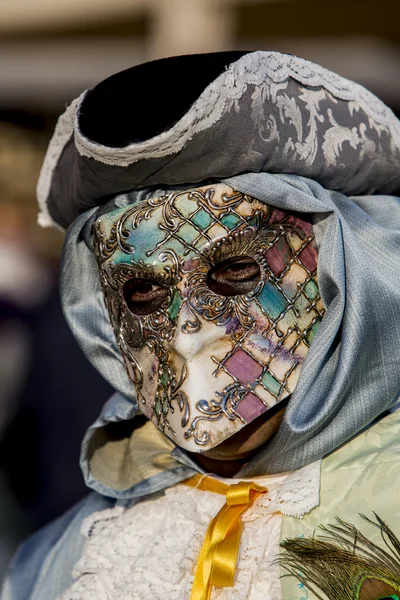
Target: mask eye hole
point(144, 296)
point(234, 276)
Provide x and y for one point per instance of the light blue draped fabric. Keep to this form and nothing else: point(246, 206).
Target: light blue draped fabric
point(351, 373)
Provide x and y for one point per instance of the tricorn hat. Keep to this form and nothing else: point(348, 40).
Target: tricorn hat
point(189, 119)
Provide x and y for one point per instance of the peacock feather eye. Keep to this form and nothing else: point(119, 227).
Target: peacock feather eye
point(377, 589)
point(344, 564)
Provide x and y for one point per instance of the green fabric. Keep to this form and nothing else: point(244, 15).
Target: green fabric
point(121, 457)
point(362, 476)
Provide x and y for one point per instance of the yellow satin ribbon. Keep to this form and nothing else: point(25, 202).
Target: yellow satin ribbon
point(218, 555)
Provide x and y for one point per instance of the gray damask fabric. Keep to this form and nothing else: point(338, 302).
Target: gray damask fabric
point(268, 112)
point(350, 375)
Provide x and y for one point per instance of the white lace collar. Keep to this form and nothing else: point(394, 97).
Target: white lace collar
point(148, 551)
point(297, 492)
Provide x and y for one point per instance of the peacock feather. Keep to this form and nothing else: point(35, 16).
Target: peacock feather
point(343, 564)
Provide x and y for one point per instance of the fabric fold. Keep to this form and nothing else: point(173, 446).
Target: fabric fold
point(350, 375)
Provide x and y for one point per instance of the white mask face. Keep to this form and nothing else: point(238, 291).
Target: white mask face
point(214, 301)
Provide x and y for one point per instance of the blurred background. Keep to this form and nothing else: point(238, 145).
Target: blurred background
point(50, 51)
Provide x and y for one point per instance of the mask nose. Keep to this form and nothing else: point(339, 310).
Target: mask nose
point(189, 341)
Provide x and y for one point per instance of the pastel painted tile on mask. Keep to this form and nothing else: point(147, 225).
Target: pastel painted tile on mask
point(243, 367)
point(185, 205)
point(311, 290)
point(250, 407)
point(230, 221)
point(312, 332)
point(308, 257)
point(272, 300)
point(202, 219)
point(278, 256)
point(271, 383)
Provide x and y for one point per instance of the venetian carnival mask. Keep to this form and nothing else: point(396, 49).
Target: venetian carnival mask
point(214, 301)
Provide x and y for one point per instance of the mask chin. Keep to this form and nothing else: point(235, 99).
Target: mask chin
point(251, 438)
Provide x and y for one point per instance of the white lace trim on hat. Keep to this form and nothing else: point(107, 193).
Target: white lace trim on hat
point(63, 131)
point(217, 99)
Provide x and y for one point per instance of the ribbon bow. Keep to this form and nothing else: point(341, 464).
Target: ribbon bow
point(218, 556)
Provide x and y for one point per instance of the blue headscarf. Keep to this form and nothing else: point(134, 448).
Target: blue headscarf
point(350, 375)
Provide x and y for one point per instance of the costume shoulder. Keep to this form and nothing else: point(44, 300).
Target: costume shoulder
point(42, 566)
point(356, 525)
